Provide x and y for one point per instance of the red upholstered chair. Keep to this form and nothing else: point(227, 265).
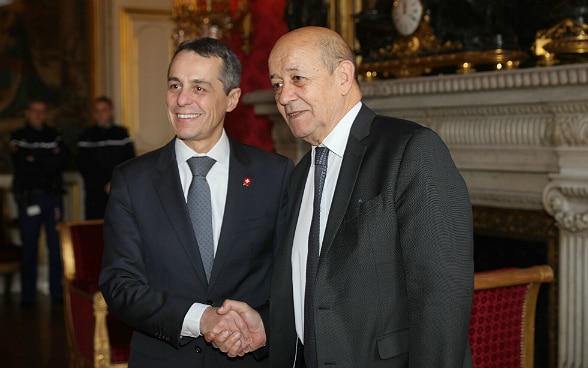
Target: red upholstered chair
point(10, 254)
point(95, 338)
point(502, 326)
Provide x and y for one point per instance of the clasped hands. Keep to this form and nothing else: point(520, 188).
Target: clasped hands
point(234, 328)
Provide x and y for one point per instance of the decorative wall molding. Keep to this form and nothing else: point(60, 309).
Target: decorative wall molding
point(567, 202)
point(566, 75)
point(505, 199)
point(485, 129)
point(571, 129)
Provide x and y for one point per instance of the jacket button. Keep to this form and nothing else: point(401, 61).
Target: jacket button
point(198, 349)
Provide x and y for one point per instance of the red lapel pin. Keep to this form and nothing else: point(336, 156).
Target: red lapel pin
point(246, 182)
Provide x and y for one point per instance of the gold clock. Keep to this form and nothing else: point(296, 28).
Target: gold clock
point(406, 15)
point(416, 50)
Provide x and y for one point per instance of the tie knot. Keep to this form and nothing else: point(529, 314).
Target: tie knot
point(320, 155)
point(200, 165)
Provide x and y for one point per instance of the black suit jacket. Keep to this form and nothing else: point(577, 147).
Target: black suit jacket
point(395, 277)
point(152, 271)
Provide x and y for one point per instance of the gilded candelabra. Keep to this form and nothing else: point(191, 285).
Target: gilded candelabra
point(210, 18)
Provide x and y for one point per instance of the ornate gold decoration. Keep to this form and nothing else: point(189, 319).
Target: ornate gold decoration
point(210, 18)
point(567, 37)
point(101, 339)
point(423, 40)
point(420, 53)
point(464, 62)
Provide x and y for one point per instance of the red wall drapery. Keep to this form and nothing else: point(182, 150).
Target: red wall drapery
point(267, 25)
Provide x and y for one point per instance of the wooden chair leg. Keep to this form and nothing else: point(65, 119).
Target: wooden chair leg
point(8, 284)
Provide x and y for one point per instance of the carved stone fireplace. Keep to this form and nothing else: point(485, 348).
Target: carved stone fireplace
point(520, 140)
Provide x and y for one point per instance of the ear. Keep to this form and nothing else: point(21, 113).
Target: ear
point(346, 73)
point(233, 97)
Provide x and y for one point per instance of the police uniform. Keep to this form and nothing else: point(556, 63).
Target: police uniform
point(39, 157)
point(99, 151)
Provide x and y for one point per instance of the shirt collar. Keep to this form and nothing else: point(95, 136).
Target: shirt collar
point(219, 152)
point(336, 141)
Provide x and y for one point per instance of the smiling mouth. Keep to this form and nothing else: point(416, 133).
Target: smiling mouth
point(291, 115)
point(188, 116)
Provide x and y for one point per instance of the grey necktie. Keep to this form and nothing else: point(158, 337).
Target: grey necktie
point(321, 155)
point(200, 209)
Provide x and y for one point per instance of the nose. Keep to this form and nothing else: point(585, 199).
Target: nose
point(286, 94)
point(184, 98)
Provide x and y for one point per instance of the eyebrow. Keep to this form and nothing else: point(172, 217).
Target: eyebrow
point(291, 69)
point(192, 81)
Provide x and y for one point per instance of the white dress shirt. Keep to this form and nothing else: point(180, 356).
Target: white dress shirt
point(336, 142)
point(217, 178)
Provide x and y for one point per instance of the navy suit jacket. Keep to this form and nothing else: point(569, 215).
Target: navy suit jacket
point(395, 277)
point(152, 271)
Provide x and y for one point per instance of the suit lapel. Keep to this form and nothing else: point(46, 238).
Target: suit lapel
point(169, 190)
point(295, 193)
point(236, 199)
point(282, 281)
point(350, 166)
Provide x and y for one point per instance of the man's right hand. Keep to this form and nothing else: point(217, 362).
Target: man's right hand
point(233, 343)
point(226, 326)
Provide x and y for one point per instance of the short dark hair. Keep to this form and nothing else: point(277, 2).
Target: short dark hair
point(35, 100)
point(230, 73)
point(104, 99)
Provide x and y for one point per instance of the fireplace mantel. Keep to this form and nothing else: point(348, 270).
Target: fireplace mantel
point(520, 140)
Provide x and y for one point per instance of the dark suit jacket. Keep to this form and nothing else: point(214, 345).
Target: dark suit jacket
point(395, 276)
point(152, 271)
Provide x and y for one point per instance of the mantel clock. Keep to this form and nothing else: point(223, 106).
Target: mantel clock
point(407, 15)
point(416, 48)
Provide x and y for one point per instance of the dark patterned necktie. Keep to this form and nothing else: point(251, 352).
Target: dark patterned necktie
point(200, 209)
point(320, 172)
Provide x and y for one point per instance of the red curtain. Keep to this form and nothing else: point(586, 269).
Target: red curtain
point(267, 25)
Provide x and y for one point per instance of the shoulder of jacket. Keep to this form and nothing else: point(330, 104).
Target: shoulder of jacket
point(257, 154)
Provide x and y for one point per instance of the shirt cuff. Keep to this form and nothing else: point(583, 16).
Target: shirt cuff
point(191, 325)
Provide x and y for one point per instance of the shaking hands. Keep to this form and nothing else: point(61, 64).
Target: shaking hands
point(234, 328)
